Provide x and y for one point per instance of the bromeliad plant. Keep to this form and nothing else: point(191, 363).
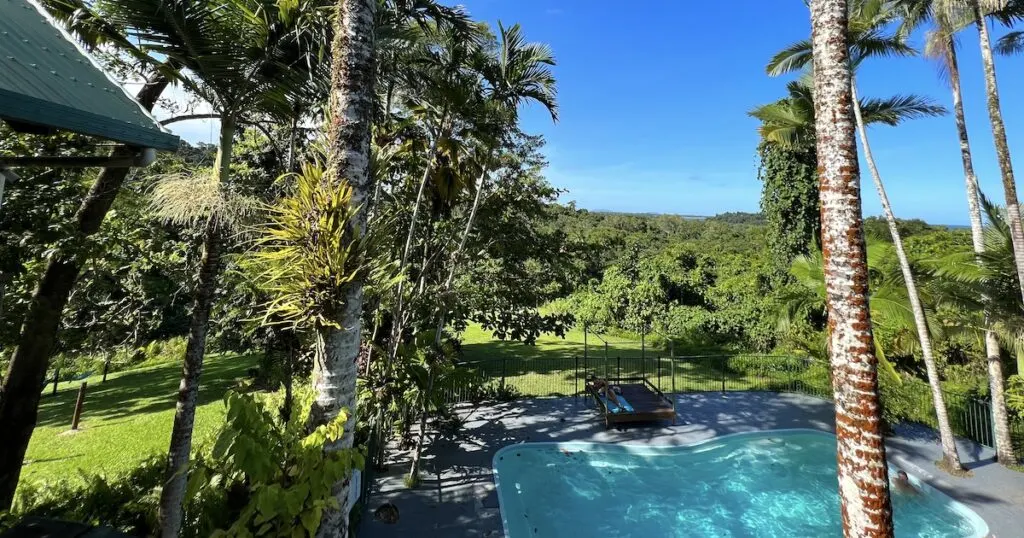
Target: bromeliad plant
point(306, 256)
point(286, 477)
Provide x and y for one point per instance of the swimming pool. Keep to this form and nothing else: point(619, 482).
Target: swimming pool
point(775, 483)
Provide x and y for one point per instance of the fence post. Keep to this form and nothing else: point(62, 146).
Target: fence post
point(576, 376)
point(584, 343)
point(78, 406)
point(723, 373)
point(618, 367)
point(503, 374)
point(672, 372)
point(659, 371)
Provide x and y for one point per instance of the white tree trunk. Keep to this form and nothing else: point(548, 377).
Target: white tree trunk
point(862, 470)
point(335, 363)
point(995, 115)
point(950, 457)
point(1001, 425)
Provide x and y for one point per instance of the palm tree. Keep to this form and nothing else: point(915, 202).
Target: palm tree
point(27, 368)
point(861, 464)
point(516, 72)
point(447, 101)
point(242, 57)
point(977, 9)
point(868, 38)
point(348, 161)
point(941, 44)
point(888, 302)
point(983, 286)
point(352, 102)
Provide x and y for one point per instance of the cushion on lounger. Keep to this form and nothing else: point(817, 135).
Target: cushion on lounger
point(622, 407)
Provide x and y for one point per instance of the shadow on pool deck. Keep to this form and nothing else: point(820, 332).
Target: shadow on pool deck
point(456, 497)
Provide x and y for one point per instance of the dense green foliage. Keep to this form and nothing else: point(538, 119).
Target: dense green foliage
point(789, 199)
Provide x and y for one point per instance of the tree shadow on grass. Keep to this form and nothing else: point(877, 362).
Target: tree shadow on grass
point(143, 391)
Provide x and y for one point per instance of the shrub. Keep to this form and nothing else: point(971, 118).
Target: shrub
point(262, 477)
point(765, 365)
point(284, 479)
point(1015, 395)
point(127, 502)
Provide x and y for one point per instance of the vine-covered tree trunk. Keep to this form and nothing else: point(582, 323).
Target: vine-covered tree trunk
point(862, 469)
point(335, 365)
point(19, 397)
point(173, 493)
point(1001, 425)
point(995, 115)
point(950, 457)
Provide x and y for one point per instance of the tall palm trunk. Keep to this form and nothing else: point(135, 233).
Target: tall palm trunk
point(19, 397)
point(950, 457)
point(398, 314)
point(995, 115)
point(861, 465)
point(348, 143)
point(449, 280)
point(1001, 425)
point(173, 493)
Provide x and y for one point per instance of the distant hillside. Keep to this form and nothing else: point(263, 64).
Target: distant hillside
point(733, 217)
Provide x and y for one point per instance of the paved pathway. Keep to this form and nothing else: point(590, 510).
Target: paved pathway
point(457, 498)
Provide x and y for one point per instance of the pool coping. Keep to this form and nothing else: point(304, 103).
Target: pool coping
point(961, 508)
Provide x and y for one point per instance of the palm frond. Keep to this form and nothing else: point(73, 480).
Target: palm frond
point(792, 58)
point(191, 199)
point(1011, 43)
point(899, 108)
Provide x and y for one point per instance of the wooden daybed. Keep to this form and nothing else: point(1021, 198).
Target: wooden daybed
point(639, 401)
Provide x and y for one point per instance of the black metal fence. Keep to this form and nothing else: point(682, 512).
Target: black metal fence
point(510, 378)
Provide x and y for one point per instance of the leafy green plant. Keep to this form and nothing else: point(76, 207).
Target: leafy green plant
point(126, 502)
point(305, 256)
point(1015, 394)
point(289, 478)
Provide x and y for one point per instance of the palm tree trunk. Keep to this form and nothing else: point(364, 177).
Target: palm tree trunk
point(19, 396)
point(861, 465)
point(950, 457)
point(995, 115)
point(398, 327)
point(456, 255)
point(1001, 425)
point(173, 493)
point(348, 144)
point(414, 468)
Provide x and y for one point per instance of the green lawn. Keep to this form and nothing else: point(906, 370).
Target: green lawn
point(478, 344)
point(125, 419)
point(557, 366)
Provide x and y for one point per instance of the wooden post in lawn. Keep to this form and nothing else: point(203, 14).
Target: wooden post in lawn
point(106, 367)
point(56, 378)
point(78, 406)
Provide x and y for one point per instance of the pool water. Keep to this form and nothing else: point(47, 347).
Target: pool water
point(764, 484)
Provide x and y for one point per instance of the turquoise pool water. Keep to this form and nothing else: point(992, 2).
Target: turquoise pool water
point(765, 484)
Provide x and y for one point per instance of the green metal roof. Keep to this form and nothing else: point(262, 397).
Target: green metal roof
point(47, 79)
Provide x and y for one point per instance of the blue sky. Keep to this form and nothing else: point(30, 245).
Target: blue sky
point(654, 99)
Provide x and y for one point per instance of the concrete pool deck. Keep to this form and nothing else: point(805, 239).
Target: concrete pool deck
point(457, 498)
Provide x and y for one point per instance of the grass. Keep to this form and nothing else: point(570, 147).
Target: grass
point(124, 420)
point(479, 344)
point(557, 366)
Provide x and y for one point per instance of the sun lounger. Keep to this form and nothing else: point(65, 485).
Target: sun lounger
point(638, 401)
